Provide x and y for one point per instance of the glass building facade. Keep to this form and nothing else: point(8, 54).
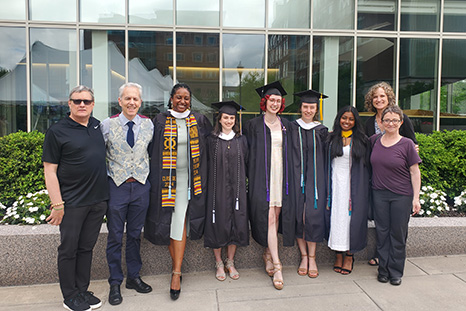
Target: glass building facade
point(224, 49)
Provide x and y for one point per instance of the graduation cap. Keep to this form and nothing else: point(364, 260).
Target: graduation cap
point(274, 88)
point(311, 97)
point(228, 107)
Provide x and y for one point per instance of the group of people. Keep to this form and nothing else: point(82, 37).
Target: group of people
point(178, 177)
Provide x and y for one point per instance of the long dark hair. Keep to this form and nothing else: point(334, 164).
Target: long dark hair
point(360, 141)
point(218, 126)
point(175, 88)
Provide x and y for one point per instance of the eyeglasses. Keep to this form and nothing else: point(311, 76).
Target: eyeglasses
point(276, 101)
point(86, 102)
point(388, 121)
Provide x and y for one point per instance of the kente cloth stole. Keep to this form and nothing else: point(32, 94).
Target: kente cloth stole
point(169, 154)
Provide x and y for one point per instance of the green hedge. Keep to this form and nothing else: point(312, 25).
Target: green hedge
point(443, 164)
point(21, 170)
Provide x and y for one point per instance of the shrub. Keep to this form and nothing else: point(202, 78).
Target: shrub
point(433, 202)
point(30, 209)
point(443, 164)
point(21, 170)
point(460, 202)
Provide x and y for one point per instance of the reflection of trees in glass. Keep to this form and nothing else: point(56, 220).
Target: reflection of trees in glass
point(418, 87)
point(3, 72)
point(458, 98)
point(249, 98)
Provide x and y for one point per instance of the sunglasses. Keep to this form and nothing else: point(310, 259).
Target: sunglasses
point(86, 102)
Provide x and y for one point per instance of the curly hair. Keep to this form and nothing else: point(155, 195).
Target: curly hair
point(264, 100)
point(370, 95)
point(175, 88)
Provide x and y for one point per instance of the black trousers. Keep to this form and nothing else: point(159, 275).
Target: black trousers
point(79, 231)
point(391, 215)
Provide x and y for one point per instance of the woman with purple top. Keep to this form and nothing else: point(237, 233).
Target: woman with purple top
point(396, 183)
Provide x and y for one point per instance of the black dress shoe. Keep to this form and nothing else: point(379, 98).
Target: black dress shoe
point(114, 298)
point(395, 282)
point(382, 278)
point(175, 293)
point(138, 285)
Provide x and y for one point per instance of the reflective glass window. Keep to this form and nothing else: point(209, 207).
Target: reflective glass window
point(103, 68)
point(420, 15)
point(197, 13)
point(150, 67)
point(454, 19)
point(52, 10)
point(332, 73)
point(53, 74)
point(289, 14)
point(289, 62)
point(333, 14)
point(13, 95)
point(376, 63)
point(453, 92)
point(199, 67)
point(243, 69)
point(244, 13)
point(418, 81)
point(377, 15)
point(151, 12)
point(13, 9)
point(103, 11)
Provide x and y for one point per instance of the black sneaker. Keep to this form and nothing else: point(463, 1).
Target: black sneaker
point(92, 300)
point(76, 304)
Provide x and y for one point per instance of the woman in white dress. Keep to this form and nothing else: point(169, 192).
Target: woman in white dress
point(348, 200)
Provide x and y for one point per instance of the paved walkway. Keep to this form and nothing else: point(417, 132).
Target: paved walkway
point(430, 283)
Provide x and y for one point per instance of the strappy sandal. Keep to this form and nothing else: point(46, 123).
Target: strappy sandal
point(229, 264)
point(220, 276)
point(345, 271)
point(374, 261)
point(303, 271)
point(268, 258)
point(313, 273)
point(338, 262)
point(277, 283)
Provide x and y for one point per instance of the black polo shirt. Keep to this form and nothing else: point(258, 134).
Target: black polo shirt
point(79, 152)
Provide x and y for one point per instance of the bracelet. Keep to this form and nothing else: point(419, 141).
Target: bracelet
point(58, 209)
point(57, 204)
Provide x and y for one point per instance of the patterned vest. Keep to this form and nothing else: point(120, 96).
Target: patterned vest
point(123, 161)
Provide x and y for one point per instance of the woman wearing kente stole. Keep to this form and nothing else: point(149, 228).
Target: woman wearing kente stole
point(178, 178)
point(309, 177)
point(348, 183)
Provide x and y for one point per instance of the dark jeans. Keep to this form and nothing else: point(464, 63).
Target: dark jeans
point(128, 203)
point(391, 214)
point(79, 231)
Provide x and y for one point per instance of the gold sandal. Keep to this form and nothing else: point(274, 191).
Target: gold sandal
point(277, 283)
point(313, 273)
point(220, 276)
point(268, 258)
point(229, 263)
point(302, 271)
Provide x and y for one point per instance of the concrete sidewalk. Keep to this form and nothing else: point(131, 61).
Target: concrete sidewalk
point(430, 283)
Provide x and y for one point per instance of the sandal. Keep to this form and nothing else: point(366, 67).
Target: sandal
point(277, 283)
point(302, 271)
point(345, 271)
point(220, 276)
point(229, 266)
point(268, 258)
point(313, 273)
point(374, 261)
point(338, 262)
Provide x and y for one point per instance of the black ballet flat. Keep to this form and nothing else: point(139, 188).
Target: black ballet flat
point(175, 293)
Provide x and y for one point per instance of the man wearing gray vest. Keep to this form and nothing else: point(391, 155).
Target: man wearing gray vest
point(127, 136)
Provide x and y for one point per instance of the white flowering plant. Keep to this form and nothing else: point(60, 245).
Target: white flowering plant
point(433, 202)
point(30, 209)
point(460, 202)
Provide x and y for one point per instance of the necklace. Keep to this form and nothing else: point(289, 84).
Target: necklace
point(270, 122)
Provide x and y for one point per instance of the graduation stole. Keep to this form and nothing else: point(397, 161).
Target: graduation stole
point(169, 160)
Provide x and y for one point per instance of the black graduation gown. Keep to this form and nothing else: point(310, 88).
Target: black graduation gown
point(310, 218)
point(158, 220)
point(257, 189)
point(231, 225)
point(360, 200)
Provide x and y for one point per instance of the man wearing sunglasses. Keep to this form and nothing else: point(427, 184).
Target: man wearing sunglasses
point(76, 180)
point(127, 136)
